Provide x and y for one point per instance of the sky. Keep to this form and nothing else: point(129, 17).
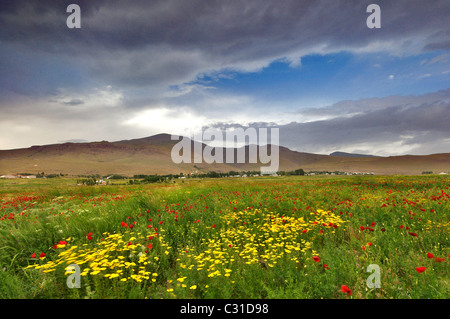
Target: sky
point(312, 69)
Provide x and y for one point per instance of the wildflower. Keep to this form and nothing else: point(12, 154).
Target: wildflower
point(430, 255)
point(420, 269)
point(193, 287)
point(326, 266)
point(61, 244)
point(413, 234)
point(89, 236)
point(42, 255)
point(316, 259)
point(346, 290)
point(33, 255)
point(363, 247)
point(439, 260)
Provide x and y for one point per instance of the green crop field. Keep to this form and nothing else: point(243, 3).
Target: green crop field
point(264, 237)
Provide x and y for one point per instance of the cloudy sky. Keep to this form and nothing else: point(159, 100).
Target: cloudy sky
point(312, 69)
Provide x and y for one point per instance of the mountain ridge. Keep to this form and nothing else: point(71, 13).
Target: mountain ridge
point(152, 155)
point(345, 154)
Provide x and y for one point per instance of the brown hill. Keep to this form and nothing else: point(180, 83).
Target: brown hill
point(152, 155)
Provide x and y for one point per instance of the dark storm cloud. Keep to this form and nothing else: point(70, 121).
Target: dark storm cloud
point(169, 42)
point(130, 54)
point(414, 124)
point(421, 129)
point(353, 107)
point(74, 102)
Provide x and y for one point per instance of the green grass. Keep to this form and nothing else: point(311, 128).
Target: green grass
point(227, 238)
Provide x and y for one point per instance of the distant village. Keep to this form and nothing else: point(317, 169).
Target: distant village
point(141, 178)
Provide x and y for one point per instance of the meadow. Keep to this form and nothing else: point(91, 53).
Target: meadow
point(264, 237)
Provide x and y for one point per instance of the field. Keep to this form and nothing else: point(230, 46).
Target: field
point(264, 237)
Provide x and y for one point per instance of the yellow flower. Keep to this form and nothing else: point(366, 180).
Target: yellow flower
point(193, 287)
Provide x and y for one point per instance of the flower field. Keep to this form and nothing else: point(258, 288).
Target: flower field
point(266, 237)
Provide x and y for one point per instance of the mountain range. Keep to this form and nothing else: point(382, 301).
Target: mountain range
point(152, 155)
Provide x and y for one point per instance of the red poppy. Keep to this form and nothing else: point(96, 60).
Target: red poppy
point(150, 246)
point(439, 259)
point(420, 269)
point(430, 255)
point(369, 243)
point(316, 259)
point(363, 247)
point(413, 234)
point(346, 290)
point(61, 243)
point(214, 226)
point(42, 255)
point(326, 266)
point(34, 255)
point(382, 229)
point(362, 228)
point(304, 231)
point(123, 224)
